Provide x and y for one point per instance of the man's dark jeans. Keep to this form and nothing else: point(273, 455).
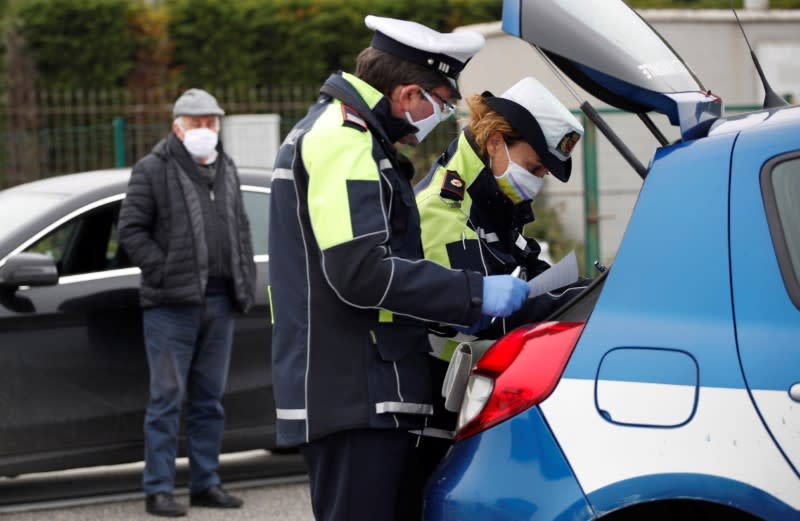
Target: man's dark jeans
point(188, 350)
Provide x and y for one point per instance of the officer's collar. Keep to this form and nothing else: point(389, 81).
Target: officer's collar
point(467, 160)
point(368, 93)
point(396, 128)
point(379, 106)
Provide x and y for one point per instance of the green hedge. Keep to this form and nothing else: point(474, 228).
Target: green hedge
point(82, 44)
point(292, 41)
point(213, 43)
point(227, 43)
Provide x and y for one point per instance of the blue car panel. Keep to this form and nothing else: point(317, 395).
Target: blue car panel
point(767, 320)
point(644, 302)
point(492, 475)
point(681, 398)
point(712, 456)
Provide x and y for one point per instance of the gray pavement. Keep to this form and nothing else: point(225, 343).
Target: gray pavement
point(274, 488)
point(264, 503)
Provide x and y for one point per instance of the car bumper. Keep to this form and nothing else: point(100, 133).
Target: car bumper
point(513, 471)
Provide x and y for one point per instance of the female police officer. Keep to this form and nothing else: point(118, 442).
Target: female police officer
point(476, 199)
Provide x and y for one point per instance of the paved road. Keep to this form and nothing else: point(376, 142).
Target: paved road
point(274, 488)
point(262, 503)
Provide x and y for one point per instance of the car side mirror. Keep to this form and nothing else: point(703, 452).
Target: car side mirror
point(28, 269)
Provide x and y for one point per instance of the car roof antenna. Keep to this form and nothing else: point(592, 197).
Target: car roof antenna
point(771, 99)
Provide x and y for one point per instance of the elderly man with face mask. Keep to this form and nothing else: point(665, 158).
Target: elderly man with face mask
point(184, 225)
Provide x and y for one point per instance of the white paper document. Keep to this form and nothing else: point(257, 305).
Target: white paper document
point(559, 274)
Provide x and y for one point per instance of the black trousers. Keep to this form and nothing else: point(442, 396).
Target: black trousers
point(432, 449)
point(365, 475)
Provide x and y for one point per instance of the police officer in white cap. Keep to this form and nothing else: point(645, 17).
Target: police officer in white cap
point(183, 223)
point(477, 198)
point(350, 291)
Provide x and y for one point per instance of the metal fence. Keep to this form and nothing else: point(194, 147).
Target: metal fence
point(49, 133)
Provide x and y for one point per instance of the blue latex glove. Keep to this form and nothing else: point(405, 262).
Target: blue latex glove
point(503, 294)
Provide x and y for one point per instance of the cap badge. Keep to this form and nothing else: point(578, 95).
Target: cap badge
point(567, 142)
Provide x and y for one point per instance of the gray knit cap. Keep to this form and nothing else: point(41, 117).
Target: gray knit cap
point(196, 102)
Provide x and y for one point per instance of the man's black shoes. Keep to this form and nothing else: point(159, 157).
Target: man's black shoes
point(163, 504)
point(215, 497)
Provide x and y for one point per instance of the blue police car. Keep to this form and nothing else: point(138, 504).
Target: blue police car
point(670, 388)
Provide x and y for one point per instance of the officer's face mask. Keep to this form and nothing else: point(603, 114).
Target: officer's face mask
point(201, 144)
point(517, 183)
point(426, 125)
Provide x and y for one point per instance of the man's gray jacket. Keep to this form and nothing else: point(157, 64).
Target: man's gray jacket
point(162, 229)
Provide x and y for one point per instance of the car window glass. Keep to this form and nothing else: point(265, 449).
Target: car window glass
point(786, 185)
point(257, 206)
point(55, 243)
point(115, 255)
point(85, 244)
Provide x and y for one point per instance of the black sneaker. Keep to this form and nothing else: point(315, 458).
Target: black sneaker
point(215, 497)
point(163, 504)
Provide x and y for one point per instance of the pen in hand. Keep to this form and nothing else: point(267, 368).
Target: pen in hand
point(514, 273)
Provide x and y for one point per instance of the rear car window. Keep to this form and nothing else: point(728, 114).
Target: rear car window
point(782, 191)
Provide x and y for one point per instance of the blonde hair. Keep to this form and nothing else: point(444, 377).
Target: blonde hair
point(484, 122)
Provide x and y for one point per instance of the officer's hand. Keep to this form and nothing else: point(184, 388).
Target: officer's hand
point(503, 294)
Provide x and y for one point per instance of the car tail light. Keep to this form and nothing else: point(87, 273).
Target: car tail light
point(519, 371)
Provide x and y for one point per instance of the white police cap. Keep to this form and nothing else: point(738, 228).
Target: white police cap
point(196, 102)
point(543, 121)
point(446, 53)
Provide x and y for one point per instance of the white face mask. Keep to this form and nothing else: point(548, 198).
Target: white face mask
point(201, 144)
point(517, 183)
point(426, 125)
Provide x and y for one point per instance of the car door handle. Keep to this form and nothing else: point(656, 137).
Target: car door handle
point(794, 392)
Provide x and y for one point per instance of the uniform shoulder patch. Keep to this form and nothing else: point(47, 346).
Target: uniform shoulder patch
point(351, 118)
point(453, 186)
